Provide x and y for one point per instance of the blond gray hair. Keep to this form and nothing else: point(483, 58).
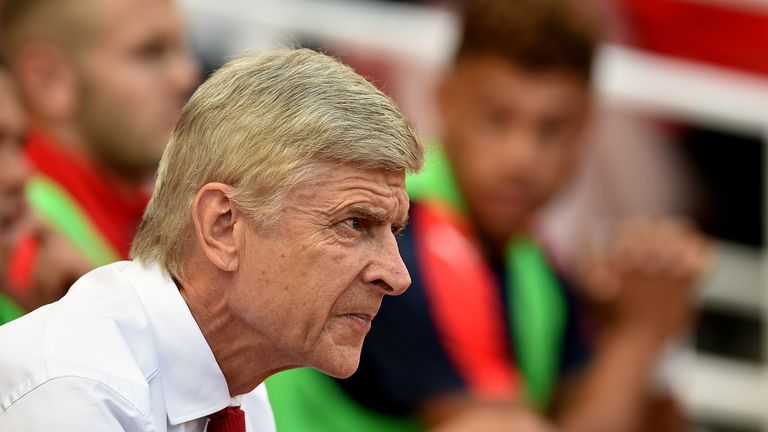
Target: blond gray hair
point(260, 124)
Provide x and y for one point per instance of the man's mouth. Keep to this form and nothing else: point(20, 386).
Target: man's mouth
point(361, 321)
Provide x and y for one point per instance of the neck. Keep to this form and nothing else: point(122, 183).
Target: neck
point(69, 139)
point(245, 359)
point(498, 242)
point(64, 135)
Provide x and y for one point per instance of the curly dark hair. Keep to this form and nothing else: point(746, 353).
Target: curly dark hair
point(534, 34)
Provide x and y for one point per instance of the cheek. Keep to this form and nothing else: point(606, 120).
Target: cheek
point(131, 82)
point(270, 299)
point(114, 97)
point(479, 167)
point(556, 167)
point(301, 284)
point(137, 88)
point(330, 275)
point(328, 285)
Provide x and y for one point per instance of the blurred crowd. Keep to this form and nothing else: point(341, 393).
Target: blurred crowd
point(503, 328)
point(101, 85)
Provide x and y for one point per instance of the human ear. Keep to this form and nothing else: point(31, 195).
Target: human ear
point(215, 217)
point(48, 80)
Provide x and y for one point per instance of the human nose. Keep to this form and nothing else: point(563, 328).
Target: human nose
point(387, 271)
point(520, 151)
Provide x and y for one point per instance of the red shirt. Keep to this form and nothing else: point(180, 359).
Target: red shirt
point(114, 206)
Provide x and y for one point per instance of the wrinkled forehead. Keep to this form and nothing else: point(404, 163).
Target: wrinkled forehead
point(335, 186)
point(337, 174)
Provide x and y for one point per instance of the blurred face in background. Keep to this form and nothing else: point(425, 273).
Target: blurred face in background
point(133, 77)
point(13, 170)
point(512, 137)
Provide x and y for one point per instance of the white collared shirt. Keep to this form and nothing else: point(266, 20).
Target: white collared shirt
point(120, 352)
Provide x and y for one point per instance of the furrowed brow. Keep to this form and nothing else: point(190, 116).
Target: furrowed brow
point(379, 216)
point(368, 212)
point(400, 225)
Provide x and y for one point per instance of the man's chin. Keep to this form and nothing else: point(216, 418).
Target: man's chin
point(500, 225)
point(341, 363)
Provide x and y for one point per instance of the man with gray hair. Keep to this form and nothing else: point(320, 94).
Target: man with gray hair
point(268, 244)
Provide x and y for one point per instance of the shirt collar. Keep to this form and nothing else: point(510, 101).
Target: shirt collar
point(193, 384)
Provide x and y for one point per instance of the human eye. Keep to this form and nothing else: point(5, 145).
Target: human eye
point(553, 130)
point(152, 50)
point(355, 223)
point(496, 118)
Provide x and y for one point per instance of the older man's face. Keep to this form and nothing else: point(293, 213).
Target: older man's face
point(314, 283)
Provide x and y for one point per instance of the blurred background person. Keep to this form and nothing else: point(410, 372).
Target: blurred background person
point(13, 173)
point(103, 82)
point(492, 335)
